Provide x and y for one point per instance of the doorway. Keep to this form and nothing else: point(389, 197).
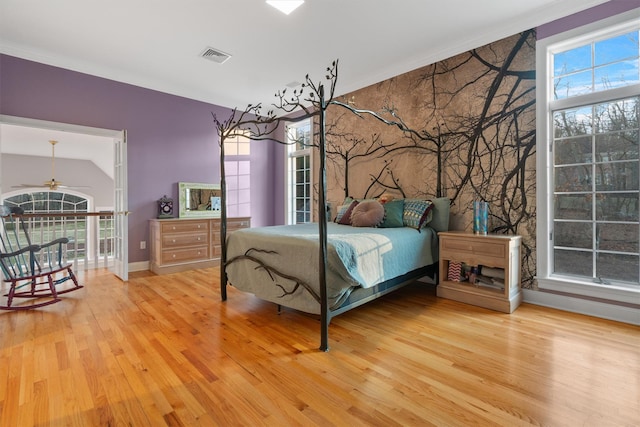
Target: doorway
point(95, 161)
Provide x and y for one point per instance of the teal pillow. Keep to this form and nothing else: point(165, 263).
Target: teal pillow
point(441, 208)
point(393, 212)
point(417, 213)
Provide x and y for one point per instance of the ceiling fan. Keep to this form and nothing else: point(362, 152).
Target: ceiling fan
point(52, 184)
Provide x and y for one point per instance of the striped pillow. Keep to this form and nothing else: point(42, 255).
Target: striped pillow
point(417, 213)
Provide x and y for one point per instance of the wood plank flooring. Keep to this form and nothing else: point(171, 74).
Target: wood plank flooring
point(164, 351)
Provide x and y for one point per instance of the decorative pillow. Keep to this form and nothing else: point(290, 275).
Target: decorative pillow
point(345, 218)
point(369, 213)
point(347, 200)
point(393, 212)
point(441, 208)
point(417, 213)
point(340, 212)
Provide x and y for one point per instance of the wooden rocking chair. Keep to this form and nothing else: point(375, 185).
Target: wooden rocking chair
point(33, 271)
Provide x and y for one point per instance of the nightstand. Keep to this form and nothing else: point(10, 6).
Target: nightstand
point(496, 253)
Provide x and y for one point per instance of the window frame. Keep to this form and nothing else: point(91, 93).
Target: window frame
point(290, 157)
point(546, 104)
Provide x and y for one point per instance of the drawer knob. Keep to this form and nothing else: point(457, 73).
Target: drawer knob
point(173, 241)
point(174, 255)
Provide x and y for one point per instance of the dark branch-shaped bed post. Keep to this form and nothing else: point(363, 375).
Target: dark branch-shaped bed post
point(225, 132)
point(223, 224)
point(262, 128)
point(322, 228)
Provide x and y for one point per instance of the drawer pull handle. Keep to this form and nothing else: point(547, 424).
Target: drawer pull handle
point(173, 241)
point(174, 255)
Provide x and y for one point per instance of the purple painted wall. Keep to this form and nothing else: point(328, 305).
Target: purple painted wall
point(587, 16)
point(170, 138)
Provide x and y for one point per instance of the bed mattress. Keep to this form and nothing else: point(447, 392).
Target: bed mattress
point(280, 263)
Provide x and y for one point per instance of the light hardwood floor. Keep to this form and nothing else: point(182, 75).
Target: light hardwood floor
point(163, 350)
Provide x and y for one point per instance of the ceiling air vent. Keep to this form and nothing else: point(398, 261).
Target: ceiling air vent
point(215, 55)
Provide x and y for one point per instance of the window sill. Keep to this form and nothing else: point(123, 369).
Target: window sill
point(582, 289)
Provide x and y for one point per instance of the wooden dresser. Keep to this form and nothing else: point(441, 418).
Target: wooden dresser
point(179, 244)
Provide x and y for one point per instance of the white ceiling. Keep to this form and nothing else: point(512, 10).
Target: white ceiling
point(34, 141)
point(156, 43)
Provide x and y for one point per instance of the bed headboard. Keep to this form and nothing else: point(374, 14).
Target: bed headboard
point(441, 208)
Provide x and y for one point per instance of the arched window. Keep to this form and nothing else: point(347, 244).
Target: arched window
point(89, 235)
point(48, 202)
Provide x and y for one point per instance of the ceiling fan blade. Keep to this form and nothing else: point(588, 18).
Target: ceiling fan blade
point(28, 186)
point(52, 184)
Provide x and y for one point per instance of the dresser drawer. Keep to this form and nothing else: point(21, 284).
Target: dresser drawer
point(184, 255)
point(216, 250)
point(179, 244)
point(215, 235)
point(184, 239)
point(185, 227)
point(237, 223)
point(477, 247)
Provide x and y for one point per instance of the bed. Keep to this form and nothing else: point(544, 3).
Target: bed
point(280, 263)
point(254, 262)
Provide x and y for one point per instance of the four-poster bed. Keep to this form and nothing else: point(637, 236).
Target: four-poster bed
point(333, 287)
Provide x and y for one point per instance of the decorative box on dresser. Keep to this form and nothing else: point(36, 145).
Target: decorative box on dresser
point(179, 244)
point(497, 252)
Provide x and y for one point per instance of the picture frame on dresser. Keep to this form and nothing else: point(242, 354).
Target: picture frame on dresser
point(195, 200)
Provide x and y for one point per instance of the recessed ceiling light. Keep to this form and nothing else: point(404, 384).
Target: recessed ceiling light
point(285, 6)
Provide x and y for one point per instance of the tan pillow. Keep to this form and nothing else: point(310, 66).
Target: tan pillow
point(369, 213)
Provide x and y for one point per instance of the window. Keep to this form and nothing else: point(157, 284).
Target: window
point(238, 175)
point(299, 172)
point(589, 171)
point(239, 145)
point(91, 236)
point(48, 202)
point(238, 187)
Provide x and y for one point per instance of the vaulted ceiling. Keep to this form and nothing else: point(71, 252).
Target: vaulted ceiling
point(157, 44)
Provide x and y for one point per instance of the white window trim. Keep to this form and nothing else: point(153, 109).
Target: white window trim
point(289, 209)
point(544, 48)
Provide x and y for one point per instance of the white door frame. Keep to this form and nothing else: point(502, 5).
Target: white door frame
point(121, 264)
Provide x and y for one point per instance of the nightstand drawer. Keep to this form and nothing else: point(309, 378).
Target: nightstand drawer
point(188, 254)
point(182, 240)
point(185, 227)
point(474, 247)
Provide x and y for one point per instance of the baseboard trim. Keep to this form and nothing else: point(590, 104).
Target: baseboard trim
point(600, 309)
point(138, 266)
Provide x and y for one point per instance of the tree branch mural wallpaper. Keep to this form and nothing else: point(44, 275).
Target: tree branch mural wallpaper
point(464, 128)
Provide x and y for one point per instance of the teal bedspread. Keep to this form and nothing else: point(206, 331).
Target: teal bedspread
point(280, 263)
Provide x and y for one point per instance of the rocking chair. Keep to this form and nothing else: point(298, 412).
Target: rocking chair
point(33, 271)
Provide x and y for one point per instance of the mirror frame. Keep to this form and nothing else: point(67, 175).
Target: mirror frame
point(183, 212)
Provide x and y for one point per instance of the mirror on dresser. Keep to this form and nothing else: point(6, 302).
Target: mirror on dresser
point(198, 200)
